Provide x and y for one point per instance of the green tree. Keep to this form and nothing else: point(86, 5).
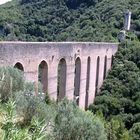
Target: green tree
point(11, 80)
point(71, 123)
point(135, 131)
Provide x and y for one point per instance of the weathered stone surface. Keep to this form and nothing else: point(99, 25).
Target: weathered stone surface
point(31, 54)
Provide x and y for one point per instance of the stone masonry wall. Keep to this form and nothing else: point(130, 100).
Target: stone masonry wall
point(30, 55)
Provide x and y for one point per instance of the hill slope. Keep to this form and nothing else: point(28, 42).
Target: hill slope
point(66, 20)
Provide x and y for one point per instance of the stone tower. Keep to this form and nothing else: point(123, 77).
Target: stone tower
point(127, 20)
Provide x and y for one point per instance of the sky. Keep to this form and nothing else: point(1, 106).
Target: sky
point(4, 1)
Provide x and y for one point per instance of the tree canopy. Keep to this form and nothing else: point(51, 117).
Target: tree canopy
point(119, 98)
point(66, 20)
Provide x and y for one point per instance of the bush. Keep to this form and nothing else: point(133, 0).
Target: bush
point(120, 93)
point(11, 80)
point(10, 129)
point(49, 122)
point(116, 130)
point(29, 105)
point(71, 123)
point(135, 131)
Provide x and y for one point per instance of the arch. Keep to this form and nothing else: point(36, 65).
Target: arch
point(105, 67)
point(77, 79)
point(19, 66)
point(61, 79)
point(97, 75)
point(43, 75)
point(112, 60)
point(87, 82)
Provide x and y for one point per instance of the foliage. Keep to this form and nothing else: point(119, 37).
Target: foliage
point(74, 20)
point(9, 128)
point(11, 80)
point(12, 130)
point(65, 121)
point(119, 96)
point(25, 115)
point(71, 123)
point(116, 130)
point(66, 20)
point(135, 131)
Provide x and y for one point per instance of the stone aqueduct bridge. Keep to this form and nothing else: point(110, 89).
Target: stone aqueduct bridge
point(71, 69)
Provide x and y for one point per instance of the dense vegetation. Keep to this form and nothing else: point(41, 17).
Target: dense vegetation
point(26, 116)
point(66, 20)
point(119, 99)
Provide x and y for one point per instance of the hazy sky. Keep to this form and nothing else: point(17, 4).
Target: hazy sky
point(4, 1)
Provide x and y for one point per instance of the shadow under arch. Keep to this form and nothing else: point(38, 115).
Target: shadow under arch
point(97, 75)
point(61, 79)
point(19, 66)
point(105, 67)
point(112, 60)
point(87, 82)
point(43, 75)
point(77, 80)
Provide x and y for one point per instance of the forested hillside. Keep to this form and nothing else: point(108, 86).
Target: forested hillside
point(119, 100)
point(66, 20)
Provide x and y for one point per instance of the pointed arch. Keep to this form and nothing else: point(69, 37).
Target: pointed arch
point(19, 66)
point(112, 60)
point(43, 75)
point(105, 67)
point(61, 79)
point(77, 79)
point(87, 82)
point(97, 74)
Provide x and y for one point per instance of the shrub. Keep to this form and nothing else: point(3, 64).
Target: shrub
point(116, 130)
point(71, 123)
point(10, 129)
point(29, 105)
point(135, 131)
point(11, 80)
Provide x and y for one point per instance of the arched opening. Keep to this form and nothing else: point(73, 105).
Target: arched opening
point(19, 66)
point(87, 82)
point(61, 79)
point(97, 75)
point(112, 59)
point(43, 75)
point(105, 67)
point(77, 79)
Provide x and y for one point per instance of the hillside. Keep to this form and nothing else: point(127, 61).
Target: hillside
point(66, 20)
